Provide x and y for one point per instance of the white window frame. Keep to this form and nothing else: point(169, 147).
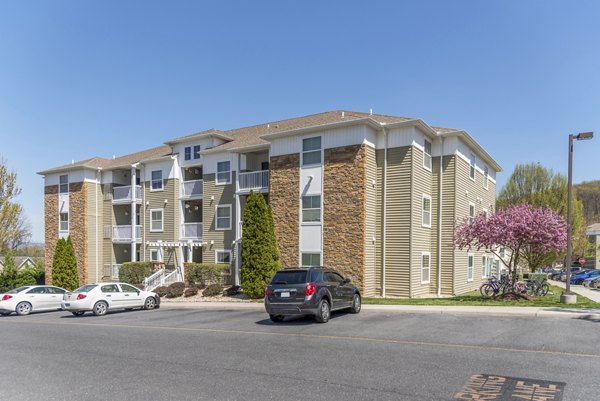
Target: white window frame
point(162, 221)
point(484, 262)
point(197, 153)
point(470, 266)
point(320, 208)
point(60, 184)
point(470, 216)
point(60, 228)
point(152, 180)
point(217, 181)
point(423, 222)
point(486, 177)
point(427, 159)
point(228, 206)
point(472, 162)
point(153, 250)
point(312, 253)
point(187, 151)
point(428, 268)
point(302, 164)
point(222, 251)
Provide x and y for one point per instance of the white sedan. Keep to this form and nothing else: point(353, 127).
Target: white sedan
point(101, 297)
point(31, 298)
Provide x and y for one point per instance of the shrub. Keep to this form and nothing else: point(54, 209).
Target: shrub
point(212, 290)
point(161, 291)
point(9, 275)
point(233, 290)
point(190, 292)
point(134, 272)
point(202, 274)
point(175, 290)
point(64, 265)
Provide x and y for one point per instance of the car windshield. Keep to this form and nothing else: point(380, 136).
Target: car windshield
point(18, 290)
point(289, 277)
point(86, 288)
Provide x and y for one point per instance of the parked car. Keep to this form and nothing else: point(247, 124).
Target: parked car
point(31, 298)
point(592, 282)
point(315, 291)
point(101, 297)
point(580, 277)
point(563, 275)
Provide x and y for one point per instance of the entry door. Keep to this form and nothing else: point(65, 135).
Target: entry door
point(132, 297)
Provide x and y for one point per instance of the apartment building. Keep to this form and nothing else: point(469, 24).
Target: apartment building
point(375, 196)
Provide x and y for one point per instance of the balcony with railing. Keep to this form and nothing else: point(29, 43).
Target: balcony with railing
point(254, 180)
point(123, 233)
point(191, 231)
point(124, 194)
point(192, 189)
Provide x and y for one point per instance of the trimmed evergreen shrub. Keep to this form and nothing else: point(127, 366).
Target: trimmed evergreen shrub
point(212, 290)
point(9, 275)
point(175, 290)
point(260, 256)
point(134, 272)
point(64, 265)
point(161, 291)
point(190, 291)
point(203, 274)
point(29, 276)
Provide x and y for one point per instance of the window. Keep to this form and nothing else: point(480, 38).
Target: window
point(427, 155)
point(223, 217)
point(154, 255)
point(110, 288)
point(311, 151)
point(156, 220)
point(264, 166)
point(426, 209)
point(311, 259)
point(196, 151)
point(188, 153)
point(223, 173)
point(471, 212)
point(223, 257)
point(333, 277)
point(311, 208)
point(64, 184)
point(64, 222)
point(484, 267)
point(425, 267)
point(128, 288)
point(472, 168)
point(157, 181)
point(470, 259)
point(485, 177)
point(502, 252)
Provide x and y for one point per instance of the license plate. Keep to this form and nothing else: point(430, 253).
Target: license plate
point(67, 305)
point(285, 295)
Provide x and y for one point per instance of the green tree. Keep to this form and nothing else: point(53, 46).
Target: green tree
point(539, 186)
point(8, 277)
point(15, 229)
point(64, 265)
point(260, 256)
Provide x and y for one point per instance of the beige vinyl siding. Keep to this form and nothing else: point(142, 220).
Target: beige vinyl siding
point(378, 218)
point(371, 270)
point(108, 220)
point(421, 236)
point(399, 182)
point(171, 226)
point(448, 218)
point(223, 195)
point(94, 231)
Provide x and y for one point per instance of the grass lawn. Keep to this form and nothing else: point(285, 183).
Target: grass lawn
point(475, 299)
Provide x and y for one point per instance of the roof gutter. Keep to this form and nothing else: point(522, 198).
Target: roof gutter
point(464, 135)
point(338, 124)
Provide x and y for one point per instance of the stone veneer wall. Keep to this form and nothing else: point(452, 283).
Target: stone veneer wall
point(344, 211)
point(284, 200)
point(50, 227)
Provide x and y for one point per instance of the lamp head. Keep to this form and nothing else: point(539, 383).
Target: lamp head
point(584, 135)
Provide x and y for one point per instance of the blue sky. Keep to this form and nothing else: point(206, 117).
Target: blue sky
point(82, 79)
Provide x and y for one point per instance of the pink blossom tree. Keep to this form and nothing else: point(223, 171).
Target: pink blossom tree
point(524, 230)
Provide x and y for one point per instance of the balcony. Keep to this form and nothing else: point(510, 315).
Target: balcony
point(123, 194)
point(123, 233)
point(192, 189)
point(254, 180)
point(191, 231)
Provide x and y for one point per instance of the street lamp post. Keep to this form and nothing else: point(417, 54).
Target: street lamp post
point(568, 297)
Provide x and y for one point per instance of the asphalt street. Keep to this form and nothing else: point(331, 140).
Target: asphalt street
point(230, 354)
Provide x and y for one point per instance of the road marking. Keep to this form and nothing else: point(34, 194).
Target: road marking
point(329, 337)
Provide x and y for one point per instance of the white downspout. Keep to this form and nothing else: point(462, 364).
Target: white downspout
point(439, 272)
point(384, 211)
point(143, 210)
point(238, 212)
point(98, 183)
point(133, 214)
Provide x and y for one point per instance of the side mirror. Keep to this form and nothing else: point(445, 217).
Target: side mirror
point(346, 281)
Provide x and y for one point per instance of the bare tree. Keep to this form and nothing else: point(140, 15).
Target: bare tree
point(15, 229)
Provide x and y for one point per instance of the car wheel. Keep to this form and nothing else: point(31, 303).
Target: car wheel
point(356, 304)
point(323, 312)
point(100, 308)
point(150, 303)
point(276, 318)
point(78, 313)
point(23, 308)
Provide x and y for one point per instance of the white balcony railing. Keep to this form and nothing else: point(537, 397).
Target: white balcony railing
point(254, 180)
point(123, 233)
point(123, 193)
point(191, 230)
point(190, 189)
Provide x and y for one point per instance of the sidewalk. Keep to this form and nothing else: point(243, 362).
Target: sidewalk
point(592, 294)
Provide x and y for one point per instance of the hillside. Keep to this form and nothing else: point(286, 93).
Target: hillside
point(589, 193)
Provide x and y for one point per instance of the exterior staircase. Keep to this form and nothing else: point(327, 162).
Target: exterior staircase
point(163, 277)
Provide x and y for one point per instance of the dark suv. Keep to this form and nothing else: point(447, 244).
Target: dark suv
point(313, 291)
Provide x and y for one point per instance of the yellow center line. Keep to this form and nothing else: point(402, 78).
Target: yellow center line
point(331, 337)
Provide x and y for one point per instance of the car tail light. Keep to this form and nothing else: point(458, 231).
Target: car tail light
point(6, 297)
point(266, 291)
point(81, 296)
point(310, 289)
